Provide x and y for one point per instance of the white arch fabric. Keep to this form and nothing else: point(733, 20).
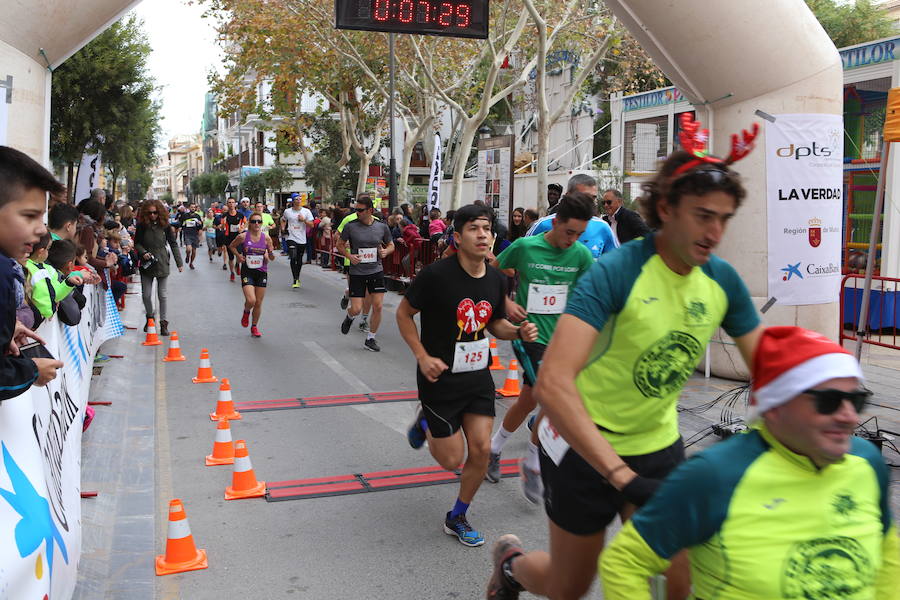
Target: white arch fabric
point(60, 27)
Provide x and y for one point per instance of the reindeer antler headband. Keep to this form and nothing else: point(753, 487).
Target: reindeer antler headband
point(693, 140)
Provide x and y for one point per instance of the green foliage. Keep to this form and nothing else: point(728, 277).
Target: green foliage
point(253, 186)
point(167, 198)
point(322, 172)
point(200, 184)
point(218, 181)
point(849, 23)
point(277, 178)
point(101, 97)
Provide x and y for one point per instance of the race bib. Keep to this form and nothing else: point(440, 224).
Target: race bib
point(254, 261)
point(368, 255)
point(553, 444)
point(235, 228)
point(471, 356)
point(211, 230)
point(298, 227)
point(547, 299)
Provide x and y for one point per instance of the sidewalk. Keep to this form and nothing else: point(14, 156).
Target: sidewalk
point(118, 462)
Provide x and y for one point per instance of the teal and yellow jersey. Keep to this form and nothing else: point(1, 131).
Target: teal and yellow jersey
point(546, 274)
point(654, 326)
point(48, 288)
point(761, 522)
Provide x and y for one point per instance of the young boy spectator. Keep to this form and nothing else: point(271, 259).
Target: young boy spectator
point(23, 199)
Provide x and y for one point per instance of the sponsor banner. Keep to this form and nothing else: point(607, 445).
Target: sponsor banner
point(88, 176)
point(40, 461)
point(4, 118)
point(804, 156)
point(437, 173)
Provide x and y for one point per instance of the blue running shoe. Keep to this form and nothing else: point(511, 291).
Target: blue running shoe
point(100, 359)
point(460, 527)
point(415, 435)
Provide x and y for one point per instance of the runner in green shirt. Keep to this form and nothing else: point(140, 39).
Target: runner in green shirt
point(634, 329)
point(548, 266)
point(797, 508)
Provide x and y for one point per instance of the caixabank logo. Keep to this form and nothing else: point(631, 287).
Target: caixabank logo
point(799, 270)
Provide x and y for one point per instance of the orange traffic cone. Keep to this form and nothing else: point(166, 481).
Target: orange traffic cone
point(181, 554)
point(174, 349)
point(225, 407)
point(511, 385)
point(496, 365)
point(204, 372)
point(152, 339)
point(243, 479)
point(223, 447)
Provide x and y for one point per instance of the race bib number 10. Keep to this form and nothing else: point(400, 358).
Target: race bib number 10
point(471, 356)
point(547, 299)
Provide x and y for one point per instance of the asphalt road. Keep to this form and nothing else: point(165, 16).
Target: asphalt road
point(388, 544)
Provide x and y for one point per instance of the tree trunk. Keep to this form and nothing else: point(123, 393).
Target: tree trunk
point(470, 128)
point(70, 182)
point(364, 160)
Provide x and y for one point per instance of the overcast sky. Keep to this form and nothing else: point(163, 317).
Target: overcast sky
point(184, 49)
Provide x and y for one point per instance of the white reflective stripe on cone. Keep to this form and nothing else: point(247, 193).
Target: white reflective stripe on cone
point(242, 463)
point(174, 344)
point(223, 435)
point(204, 362)
point(224, 395)
point(179, 529)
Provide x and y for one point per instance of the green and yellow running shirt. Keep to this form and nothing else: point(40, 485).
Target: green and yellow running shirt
point(763, 523)
point(348, 219)
point(546, 274)
point(654, 325)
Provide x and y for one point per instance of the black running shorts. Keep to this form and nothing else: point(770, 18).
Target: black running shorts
point(444, 403)
point(535, 353)
point(374, 284)
point(581, 501)
point(254, 277)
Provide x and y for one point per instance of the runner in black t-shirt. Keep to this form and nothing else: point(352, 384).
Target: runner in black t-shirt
point(231, 227)
point(459, 298)
point(191, 224)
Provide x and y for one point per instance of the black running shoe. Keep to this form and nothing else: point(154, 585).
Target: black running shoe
point(372, 345)
point(499, 586)
point(345, 326)
point(345, 302)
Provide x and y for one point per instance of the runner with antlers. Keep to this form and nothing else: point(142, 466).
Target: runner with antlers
point(609, 386)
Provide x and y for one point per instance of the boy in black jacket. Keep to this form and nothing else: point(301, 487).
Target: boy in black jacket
point(23, 200)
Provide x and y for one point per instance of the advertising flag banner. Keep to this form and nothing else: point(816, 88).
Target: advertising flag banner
point(437, 173)
point(88, 176)
point(804, 173)
point(40, 460)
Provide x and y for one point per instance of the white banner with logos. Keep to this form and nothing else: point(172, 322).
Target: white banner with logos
point(40, 460)
point(4, 118)
point(437, 173)
point(804, 173)
point(88, 176)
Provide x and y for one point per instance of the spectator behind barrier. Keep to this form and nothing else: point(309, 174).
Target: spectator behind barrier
point(23, 199)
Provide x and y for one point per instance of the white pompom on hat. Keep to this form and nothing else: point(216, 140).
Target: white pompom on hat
point(789, 360)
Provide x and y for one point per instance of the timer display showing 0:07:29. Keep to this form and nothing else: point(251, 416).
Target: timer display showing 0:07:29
point(423, 12)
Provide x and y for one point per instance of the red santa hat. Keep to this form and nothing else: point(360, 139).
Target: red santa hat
point(789, 360)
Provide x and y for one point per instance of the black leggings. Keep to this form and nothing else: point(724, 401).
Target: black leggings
point(296, 252)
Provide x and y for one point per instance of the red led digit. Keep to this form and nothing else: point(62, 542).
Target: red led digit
point(423, 10)
point(463, 15)
point(444, 19)
point(406, 10)
point(382, 10)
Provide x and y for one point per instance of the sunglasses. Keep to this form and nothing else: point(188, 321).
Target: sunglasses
point(152, 212)
point(712, 174)
point(829, 401)
point(607, 202)
point(361, 209)
point(255, 220)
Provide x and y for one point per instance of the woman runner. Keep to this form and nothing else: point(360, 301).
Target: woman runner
point(210, 227)
point(253, 249)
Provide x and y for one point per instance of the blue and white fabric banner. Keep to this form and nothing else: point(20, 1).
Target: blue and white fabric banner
point(40, 460)
point(437, 173)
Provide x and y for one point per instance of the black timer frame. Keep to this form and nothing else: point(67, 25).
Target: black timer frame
point(423, 17)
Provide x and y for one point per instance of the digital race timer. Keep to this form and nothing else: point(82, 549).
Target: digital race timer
point(457, 18)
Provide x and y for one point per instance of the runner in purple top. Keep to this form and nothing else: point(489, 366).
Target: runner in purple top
point(254, 250)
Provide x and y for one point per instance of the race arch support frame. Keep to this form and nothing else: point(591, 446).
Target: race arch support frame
point(36, 37)
point(712, 53)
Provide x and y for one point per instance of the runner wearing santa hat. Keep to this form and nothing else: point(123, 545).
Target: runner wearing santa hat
point(796, 508)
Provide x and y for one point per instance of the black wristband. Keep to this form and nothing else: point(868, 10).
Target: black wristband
point(640, 489)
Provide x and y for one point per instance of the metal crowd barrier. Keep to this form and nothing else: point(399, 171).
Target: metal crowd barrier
point(884, 310)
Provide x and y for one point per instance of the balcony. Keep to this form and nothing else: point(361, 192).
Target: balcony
point(232, 163)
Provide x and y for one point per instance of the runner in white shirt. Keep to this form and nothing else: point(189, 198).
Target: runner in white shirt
point(293, 223)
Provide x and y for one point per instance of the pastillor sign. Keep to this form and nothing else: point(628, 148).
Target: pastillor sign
point(456, 18)
point(804, 182)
